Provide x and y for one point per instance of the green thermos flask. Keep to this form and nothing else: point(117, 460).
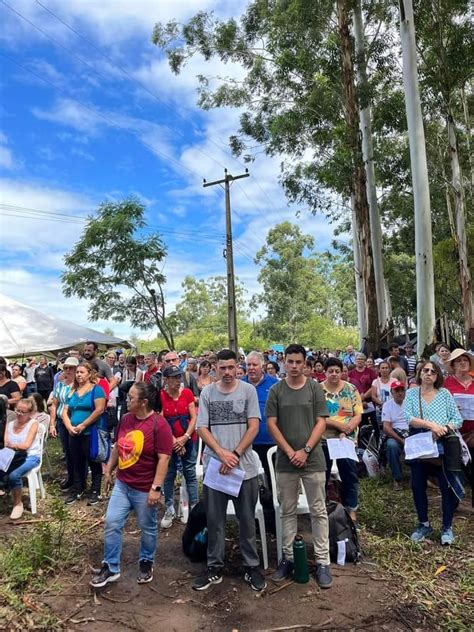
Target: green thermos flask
point(301, 571)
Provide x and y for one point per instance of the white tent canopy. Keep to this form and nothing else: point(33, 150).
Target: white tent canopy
point(25, 331)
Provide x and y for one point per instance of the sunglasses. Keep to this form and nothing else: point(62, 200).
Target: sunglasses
point(171, 360)
point(428, 371)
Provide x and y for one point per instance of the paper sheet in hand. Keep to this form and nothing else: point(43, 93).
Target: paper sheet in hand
point(420, 445)
point(228, 483)
point(342, 449)
point(6, 457)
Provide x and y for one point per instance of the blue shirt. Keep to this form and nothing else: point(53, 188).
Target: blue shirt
point(265, 385)
point(81, 407)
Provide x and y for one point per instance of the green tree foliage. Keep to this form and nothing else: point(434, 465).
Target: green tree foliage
point(298, 284)
point(116, 268)
point(204, 304)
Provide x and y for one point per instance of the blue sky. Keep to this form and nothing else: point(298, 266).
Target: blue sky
point(97, 115)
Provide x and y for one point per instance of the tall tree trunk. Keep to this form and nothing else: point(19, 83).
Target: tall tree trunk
point(467, 123)
point(358, 179)
point(360, 294)
point(368, 157)
point(460, 231)
point(425, 302)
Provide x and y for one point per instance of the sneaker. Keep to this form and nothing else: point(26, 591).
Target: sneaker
point(254, 578)
point(72, 498)
point(17, 512)
point(447, 537)
point(421, 532)
point(213, 575)
point(104, 576)
point(323, 576)
point(145, 572)
point(168, 518)
point(65, 485)
point(93, 499)
point(284, 570)
point(397, 486)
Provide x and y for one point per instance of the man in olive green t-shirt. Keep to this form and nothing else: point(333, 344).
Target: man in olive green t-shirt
point(296, 414)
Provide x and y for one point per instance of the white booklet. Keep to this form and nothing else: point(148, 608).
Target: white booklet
point(228, 483)
point(420, 445)
point(342, 449)
point(6, 457)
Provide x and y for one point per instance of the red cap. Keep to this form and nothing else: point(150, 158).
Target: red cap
point(398, 384)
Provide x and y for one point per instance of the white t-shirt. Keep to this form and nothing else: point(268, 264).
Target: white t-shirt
point(393, 413)
point(383, 390)
point(17, 439)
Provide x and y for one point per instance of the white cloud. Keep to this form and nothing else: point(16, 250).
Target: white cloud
point(7, 159)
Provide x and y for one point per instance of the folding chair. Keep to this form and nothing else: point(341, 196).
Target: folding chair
point(302, 507)
point(34, 478)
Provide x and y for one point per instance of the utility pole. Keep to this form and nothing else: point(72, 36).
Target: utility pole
point(229, 257)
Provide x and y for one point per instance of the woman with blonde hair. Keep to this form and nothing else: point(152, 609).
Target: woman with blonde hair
point(22, 436)
point(84, 407)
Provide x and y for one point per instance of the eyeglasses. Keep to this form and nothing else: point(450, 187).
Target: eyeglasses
point(428, 371)
point(171, 360)
point(21, 412)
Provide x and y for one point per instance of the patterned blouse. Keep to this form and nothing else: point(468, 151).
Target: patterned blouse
point(442, 410)
point(342, 406)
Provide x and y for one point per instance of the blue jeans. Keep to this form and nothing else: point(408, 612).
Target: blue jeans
point(123, 500)
point(14, 477)
point(188, 461)
point(349, 479)
point(419, 476)
point(394, 452)
point(30, 388)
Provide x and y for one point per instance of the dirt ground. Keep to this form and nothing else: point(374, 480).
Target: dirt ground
point(359, 598)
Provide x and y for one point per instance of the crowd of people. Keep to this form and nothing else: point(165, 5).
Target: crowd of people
point(155, 407)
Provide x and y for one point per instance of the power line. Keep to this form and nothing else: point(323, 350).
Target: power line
point(91, 67)
point(100, 114)
point(114, 64)
point(131, 78)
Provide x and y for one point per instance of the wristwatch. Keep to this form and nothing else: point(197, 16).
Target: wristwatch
point(156, 488)
point(307, 449)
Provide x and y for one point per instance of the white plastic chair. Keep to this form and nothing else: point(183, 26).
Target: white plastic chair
point(258, 515)
point(302, 507)
point(34, 478)
point(199, 465)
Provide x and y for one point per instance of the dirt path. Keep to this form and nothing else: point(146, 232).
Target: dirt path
point(358, 599)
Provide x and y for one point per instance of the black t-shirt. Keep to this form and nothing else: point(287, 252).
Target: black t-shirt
point(8, 388)
point(44, 378)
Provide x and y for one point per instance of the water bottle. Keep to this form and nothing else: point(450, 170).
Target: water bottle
point(301, 571)
point(183, 503)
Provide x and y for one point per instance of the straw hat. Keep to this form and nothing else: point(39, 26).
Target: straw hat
point(457, 353)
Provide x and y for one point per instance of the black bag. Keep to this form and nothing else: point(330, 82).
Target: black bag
point(342, 528)
point(195, 534)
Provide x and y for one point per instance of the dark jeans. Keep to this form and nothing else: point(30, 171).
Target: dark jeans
point(45, 393)
point(261, 449)
point(30, 388)
point(216, 510)
point(349, 479)
point(79, 447)
point(64, 437)
point(419, 476)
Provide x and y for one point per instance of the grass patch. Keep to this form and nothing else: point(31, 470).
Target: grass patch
point(434, 584)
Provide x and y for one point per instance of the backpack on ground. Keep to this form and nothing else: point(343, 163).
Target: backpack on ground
point(343, 540)
point(195, 534)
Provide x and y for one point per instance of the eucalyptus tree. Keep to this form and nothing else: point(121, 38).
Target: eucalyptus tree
point(299, 101)
point(425, 296)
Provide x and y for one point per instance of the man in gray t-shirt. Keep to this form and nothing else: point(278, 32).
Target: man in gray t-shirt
point(228, 422)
